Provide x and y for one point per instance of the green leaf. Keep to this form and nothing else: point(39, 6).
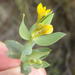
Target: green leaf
point(44, 64)
point(47, 19)
point(49, 39)
point(39, 53)
point(14, 47)
point(23, 31)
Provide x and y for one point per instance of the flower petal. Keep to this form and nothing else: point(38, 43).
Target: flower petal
point(39, 8)
point(42, 30)
point(42, 11)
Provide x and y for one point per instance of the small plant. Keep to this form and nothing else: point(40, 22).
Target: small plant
point(41, 33)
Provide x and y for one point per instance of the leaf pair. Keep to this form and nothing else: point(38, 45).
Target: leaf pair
point(35, 59)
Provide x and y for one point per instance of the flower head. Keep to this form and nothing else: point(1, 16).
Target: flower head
point(42, 11)
point(42, 30)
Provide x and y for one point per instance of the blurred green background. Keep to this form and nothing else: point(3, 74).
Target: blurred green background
point(62, 57)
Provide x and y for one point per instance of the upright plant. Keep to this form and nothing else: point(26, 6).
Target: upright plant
point(41, 33)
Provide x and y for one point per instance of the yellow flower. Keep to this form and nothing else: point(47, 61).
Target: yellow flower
point(42, 30)
point(42, 11)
